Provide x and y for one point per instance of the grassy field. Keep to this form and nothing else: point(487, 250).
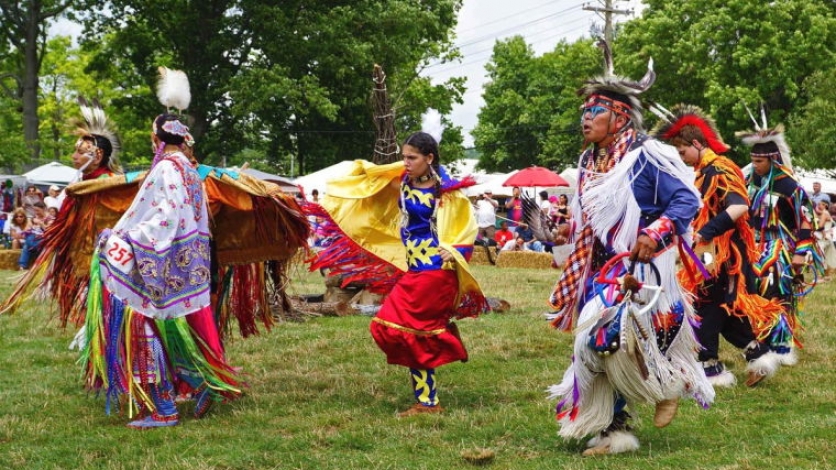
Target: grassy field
point(321, 396)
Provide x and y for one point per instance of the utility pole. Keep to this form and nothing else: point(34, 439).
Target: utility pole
point(608, 10)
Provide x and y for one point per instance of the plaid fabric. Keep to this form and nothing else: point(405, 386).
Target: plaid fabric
point(565, 293)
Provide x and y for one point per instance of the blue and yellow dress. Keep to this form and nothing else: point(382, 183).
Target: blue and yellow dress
point(373, 243)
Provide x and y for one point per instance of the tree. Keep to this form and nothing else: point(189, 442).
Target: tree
point(24, 24)
point(811, 130)
point(531, 106)
point(724, 55)
point(309, 81)
point(506, 134)
point(280, 78)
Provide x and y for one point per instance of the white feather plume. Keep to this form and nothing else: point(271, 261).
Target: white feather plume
point(173, 89)
point(431, 124)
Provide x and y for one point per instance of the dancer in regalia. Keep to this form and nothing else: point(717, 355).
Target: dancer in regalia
point(407, 230)
point(157, 297)
point(726, 301)
point(634, 196)
point(782, 216)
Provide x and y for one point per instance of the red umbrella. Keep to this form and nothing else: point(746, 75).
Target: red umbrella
point(535, 176)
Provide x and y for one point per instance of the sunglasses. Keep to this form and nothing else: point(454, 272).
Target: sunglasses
point(594, 111)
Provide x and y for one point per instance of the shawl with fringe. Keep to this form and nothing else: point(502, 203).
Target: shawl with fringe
point(256, 229)
point(361, 226)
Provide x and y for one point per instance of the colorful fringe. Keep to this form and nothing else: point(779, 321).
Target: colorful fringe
point(342, 256)
point(727, 254)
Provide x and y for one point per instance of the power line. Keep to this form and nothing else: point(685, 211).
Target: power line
point(548, 3)
point(493, 34)
point(483, 58)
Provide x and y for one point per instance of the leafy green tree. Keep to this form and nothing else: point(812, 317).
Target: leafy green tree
point(279, 79)
point(531, 105)
point(726, 54)
point(507, 134)
point(310, 82)
point(563, 72)
point(811, 130)
point(24, 26)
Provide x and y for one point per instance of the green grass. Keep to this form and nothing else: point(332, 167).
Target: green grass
point(321, 396)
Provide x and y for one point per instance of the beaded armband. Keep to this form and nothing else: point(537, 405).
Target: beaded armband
point(660, 230)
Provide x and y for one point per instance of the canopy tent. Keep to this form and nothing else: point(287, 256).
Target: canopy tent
point(17, 180)
point(318, 179)
point(491, 182)
point(825, 177)
point(51, 173)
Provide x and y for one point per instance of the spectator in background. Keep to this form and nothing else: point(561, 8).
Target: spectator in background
point(52, 199)
point(824, 237)
point(503, 235)
point(515, 244)
point(514, 209)
point(16, 228)
point(315, 196)
point(9, 199)
point(486, 216)
point(527, 235)
point(51, 215)
point(545, 204)
point(29, 199)
point(817, 196)
point(562, 211)
point(33, 236)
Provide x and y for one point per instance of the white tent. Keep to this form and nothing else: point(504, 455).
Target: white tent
point(318, 179)
point(808, 177)
point(492, 182)
point(17, 180)
point(51, 173)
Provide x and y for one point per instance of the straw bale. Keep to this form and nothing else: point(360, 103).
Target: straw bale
point(8, 259)
point(480, 257)
point(524, 259)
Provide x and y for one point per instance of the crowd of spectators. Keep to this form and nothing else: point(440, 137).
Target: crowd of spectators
point(26, 214)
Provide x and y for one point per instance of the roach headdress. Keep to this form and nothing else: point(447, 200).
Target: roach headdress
point(616, 93)
point(766, 141)
point(683, 116)
point(95, 127)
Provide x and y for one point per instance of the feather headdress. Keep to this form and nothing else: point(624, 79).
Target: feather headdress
point(96, 125)
point(683, 115)
point(432, 125)
point(173, 89)
point(766, 141)
point(623, 89)
point(173, 92)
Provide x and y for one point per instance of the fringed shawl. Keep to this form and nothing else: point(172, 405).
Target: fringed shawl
point(360, 223)
point(254, 225)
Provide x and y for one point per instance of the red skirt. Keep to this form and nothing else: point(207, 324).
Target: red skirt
point(413, 326)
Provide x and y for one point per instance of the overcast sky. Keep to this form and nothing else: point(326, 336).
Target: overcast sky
point(541, 22)
point(481, 23)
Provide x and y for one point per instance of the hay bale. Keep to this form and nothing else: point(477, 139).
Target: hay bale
point(480, 256)
point(524, 259)
point(8, 259)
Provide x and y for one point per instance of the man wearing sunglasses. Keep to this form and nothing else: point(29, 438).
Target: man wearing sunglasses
point(634, 196)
